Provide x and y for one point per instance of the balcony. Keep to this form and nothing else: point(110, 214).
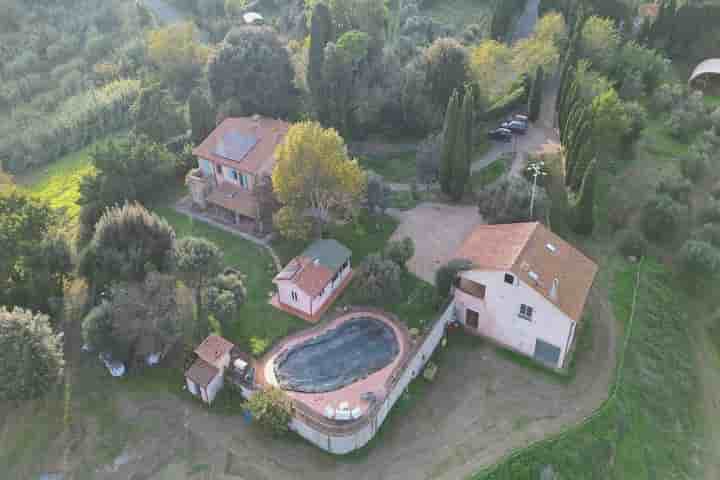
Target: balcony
point(471, 288)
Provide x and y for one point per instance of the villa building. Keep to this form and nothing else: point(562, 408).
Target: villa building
point(310, 282)
point(231, 161)
point(527, 290)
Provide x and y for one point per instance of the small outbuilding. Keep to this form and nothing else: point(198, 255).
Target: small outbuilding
point(310, 282)
point(706, 76)
point(204, 378)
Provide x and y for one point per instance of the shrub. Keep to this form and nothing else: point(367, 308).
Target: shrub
point(699, 258)
point(678, 188)
point(632, 243)
point(400, 252)
point(272, 409)
point(445, 276)
point(378, 280)
point(660, 218)
point(226, 294)
point(508, 201)
point(710, 233)
point(30, 354)
point(710, 213)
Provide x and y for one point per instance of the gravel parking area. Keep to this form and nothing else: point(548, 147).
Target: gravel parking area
point(438, 230)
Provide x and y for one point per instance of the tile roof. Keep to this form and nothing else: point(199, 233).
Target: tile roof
point(213, 347)
point(236, 199)
point(201, 372)
point(260, 158)
point(543, 260)
point(315, 267)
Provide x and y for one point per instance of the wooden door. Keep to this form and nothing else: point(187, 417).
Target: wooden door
point(472, 318)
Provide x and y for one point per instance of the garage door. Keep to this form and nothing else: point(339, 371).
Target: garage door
point(547, 353)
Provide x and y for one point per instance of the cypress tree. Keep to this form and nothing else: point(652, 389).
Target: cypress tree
point(461, 160)
point(447, 155)
point(202, 116)
point(535, 100)
point(583, 210)
point(320, 35)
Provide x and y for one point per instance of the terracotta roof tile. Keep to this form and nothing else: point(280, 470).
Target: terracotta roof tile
point(201, 372)
point(313, 277)
point(260, 159)
point(213, 347)
point(543, 260)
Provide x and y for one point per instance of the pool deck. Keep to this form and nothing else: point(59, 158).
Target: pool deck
point(377, 382)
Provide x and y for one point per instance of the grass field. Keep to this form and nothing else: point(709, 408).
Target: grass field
point(648, 430)
point(59, 182)
point(397, 167)
point(486, 176)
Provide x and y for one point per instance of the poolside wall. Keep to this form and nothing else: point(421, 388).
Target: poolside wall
point(357, 434)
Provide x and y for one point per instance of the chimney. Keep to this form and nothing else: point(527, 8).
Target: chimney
point(554, 290)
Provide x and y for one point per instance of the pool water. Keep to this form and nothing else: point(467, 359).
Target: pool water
point(338, 357)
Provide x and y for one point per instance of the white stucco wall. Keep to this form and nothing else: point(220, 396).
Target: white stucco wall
point(192, 386)
point(499, 319)
point(214, 387)
point(285, 287)
point(342, 444)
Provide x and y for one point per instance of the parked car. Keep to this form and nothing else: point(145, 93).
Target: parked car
point(500, 134)
point(515, 126)
point(521, 118)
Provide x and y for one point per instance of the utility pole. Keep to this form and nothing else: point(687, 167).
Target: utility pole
point(537, 170)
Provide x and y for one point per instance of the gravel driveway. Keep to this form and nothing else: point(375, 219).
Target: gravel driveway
point(438, 230)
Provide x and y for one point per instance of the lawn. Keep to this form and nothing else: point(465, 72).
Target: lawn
point(486, 176)
point(648, 430)
point(59, 182)
point(257, 325)
point(394, 167)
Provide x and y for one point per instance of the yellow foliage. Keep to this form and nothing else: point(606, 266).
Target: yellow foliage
point(490, 66)
point(313, 171)
point(176, 46)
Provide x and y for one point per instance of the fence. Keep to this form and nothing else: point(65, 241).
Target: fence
point(341, 438)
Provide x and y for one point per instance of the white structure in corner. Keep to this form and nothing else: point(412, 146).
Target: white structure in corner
point(312, 280)
point(204, 378)
point(527, 289)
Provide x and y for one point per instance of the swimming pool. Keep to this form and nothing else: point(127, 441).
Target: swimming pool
point(337, 357)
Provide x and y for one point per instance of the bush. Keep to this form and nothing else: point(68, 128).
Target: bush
point(632, 243)
point(272, 409)
point(660, 218)
point(30, 354)
point(710, 214)
point(400, 252)
point(710, 233)
point(677, 188)
point(445, 276)
point(508, 201)
point(226, 294)
point(699, 258)
point(378, 281)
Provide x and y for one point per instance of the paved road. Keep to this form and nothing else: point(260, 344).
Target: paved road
point(526, 22)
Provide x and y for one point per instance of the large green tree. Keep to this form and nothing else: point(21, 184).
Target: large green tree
point(252, 71)
point(446, 67)
point(156, 115)
point(202, 116)
point(535, 99)
point(129, 242)
point(35, 261)
point(457, 144)
point(321, 32)
point(125, 170)
point(449, 143)
point(197, 260)
point(30, 354)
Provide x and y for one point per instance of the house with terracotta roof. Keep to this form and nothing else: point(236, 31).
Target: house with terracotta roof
point(526, 291)
point(204, 378)
point(310, 282)
point(231, 162)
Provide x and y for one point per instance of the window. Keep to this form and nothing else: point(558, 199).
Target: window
point(294, 296)
point(234, 174)
point(546, 353)
point(218, 168)
point(509, 279)
point(243, 181)
point(526, 312)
